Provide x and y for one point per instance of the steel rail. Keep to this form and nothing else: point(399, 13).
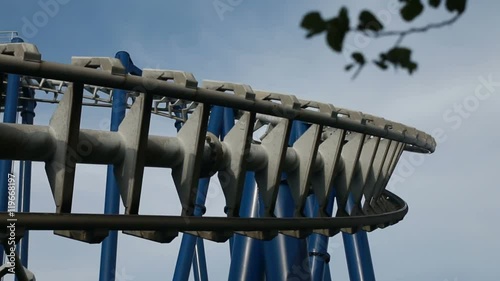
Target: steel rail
point(101, 222)
point(10, 64)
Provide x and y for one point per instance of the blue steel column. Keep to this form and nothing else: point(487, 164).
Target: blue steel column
point(186, 251)
point(247, 257)
point(287, 257)
point(358, 256)
point(199, 262)
point(247, 260)
point(112, 199)
point(24, 194)
point(317, 244)
point(9, 116)
point(327, 276)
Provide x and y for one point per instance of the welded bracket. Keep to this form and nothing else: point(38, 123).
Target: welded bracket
point(134, 130)
point(377, 202)
point(374, 174)
point(384, 171)
point(186, 175)
point(65, 129)
point(65, 126)
point(275, 143)
point(306, 148)
point(365, 164)
point(329, 151)
point(129, 172)
point(351, 152)
point(111, 65)
point(24, 51)
point(361, 173)
point(237, 143)
point(181, 78)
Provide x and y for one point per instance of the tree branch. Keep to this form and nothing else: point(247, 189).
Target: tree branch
point(403, 33)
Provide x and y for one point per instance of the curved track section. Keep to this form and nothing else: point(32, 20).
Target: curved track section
point(345, 153)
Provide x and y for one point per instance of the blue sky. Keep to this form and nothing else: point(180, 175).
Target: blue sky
point(450, 231)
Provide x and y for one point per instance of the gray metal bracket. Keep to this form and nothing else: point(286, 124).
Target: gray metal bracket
point(351, 152)
point(110, 65)
point(275, 143)
point(134, 130)
point(392, 147)
point(182, 78)
point(129, 172)
point(306, 148)
point(65, 129)
point(322, 181)
point(361, 174)
point(24, 51)
point(342, 183)
point(392, 158)
point(65, 125)
point(374, 174)
point(192, 139)
point(365, 164)
point(237, 145)
point(329, 154)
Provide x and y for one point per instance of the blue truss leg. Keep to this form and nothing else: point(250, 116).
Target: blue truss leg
point(247, 260)
point(358, 256)
point(9, 116)
point(186, 251)
point(112, 199)
point(199, 262)
point(287, 257)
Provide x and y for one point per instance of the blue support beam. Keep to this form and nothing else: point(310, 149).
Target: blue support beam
point(199, 262)
point(9, 116)
point(186, 251)
point(247, 256)
point(317, 244)
point(287, 257)
point(328, 275)
point(357, 251)
point(247, 260)
point(112, 199)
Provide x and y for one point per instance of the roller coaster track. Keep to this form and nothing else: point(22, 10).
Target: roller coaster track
point(343, 151)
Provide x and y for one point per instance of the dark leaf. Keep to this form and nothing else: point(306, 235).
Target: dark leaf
point(412, 67)
point(358, 57)
point(434, 3)
point(313, 23)
point(456, 5)
point(400, 57)
point(380, 64)
point(349, 66)
point(411, 10)
point(368, 21)
point(337, 29)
